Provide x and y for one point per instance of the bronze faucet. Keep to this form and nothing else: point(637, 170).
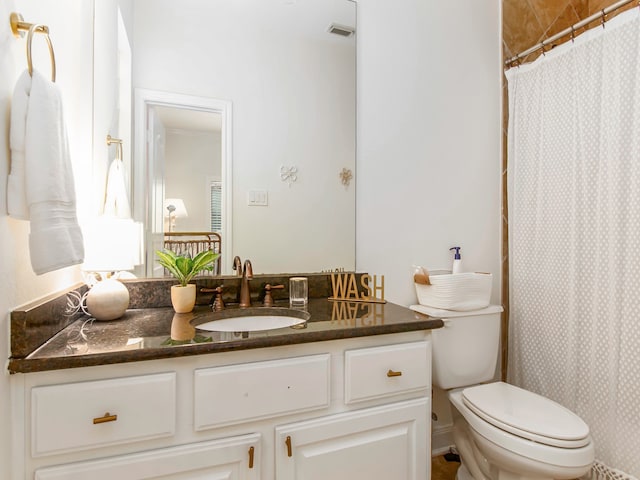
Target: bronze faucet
point(245, 291)
point(237, 265)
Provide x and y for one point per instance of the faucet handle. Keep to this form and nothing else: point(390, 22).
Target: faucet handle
point(218, 303)
point(268, 299)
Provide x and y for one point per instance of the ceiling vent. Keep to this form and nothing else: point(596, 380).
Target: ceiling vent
point(341, 30)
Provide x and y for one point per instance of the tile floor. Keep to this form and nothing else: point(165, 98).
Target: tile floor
point(441, 469)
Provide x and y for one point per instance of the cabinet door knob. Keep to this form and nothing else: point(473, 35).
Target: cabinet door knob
point(107, 417)
point(288, 443)
point(251, 451)
point(391, 373)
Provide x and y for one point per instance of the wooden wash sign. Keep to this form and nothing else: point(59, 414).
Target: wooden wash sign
point(357, 313)
point(345, 288)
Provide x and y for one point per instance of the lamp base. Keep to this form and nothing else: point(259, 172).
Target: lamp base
point(107, 300)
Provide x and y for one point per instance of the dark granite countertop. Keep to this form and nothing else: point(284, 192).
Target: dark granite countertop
point(52, 333)
point(156, 333)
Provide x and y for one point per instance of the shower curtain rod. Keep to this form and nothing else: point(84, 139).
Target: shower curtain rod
point(602, 15)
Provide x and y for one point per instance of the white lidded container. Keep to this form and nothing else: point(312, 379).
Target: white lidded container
point(459, 292)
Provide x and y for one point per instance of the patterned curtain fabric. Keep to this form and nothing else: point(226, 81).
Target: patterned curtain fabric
point(574, 234)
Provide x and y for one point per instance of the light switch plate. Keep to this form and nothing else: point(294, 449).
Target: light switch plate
point(257, 198)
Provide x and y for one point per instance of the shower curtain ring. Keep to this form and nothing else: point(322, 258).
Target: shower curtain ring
point(573, 32)
point(544, 52)
point(604, 18)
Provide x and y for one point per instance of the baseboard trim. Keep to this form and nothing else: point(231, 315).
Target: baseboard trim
point(441, 440)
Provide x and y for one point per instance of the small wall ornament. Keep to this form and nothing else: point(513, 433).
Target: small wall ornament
point(288, 174)
point(345, 176)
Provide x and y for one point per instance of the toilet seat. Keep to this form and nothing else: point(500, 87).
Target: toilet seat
point(526, 415)
point(578, 457)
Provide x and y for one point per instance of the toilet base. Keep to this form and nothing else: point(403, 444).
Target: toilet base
point(463, 473)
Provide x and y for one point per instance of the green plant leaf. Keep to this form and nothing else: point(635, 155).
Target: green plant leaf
point(183, 267)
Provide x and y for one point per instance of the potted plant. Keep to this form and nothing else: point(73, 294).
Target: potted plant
point(184, 268)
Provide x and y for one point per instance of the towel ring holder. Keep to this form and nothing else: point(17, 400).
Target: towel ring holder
point(19, 26)
point(118, 142)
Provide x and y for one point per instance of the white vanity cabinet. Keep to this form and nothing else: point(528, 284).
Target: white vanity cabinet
point(351, 409)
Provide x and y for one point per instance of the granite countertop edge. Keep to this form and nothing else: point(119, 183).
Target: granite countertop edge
point(53, 334)
point(32, 365)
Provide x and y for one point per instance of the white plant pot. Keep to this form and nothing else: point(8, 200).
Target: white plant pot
point(183, 299)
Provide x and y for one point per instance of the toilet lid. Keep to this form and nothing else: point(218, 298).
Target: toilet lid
point(526, 414)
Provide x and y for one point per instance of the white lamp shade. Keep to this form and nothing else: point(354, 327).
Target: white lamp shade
point(178, 210)
point(111, 244)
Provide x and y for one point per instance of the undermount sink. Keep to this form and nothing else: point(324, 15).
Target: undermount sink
point(250, 319)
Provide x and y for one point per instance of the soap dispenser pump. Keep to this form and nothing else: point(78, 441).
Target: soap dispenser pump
point(457, 261)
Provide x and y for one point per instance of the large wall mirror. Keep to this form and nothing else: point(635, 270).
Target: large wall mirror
point(252, 103)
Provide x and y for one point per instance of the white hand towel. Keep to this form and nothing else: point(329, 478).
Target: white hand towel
point(41, 187)
point(116, 203)
point(16, 193)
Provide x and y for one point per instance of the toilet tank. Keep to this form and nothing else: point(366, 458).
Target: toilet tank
point(465, 350)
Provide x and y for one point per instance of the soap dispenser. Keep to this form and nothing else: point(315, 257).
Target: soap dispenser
point(457, 261)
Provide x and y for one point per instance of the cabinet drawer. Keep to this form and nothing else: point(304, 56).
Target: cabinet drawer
point(236, 458)
point(388, 370)
point(78, 416)
point(240, 393)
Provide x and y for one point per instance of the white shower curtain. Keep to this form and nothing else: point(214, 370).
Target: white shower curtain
point(574, 234)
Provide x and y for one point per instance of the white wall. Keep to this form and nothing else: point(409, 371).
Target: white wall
point(18, 283)
point(293, 105)
point(429, 145)
point(191, 160)
point(429, 138)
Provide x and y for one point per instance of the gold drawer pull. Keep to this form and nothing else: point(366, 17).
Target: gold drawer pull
point(391, 373)
point(288, 443)
point(251, 451)
point(106, 418)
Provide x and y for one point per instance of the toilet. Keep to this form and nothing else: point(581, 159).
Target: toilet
point(502, 432)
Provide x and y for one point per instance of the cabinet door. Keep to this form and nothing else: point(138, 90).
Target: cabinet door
point(381, 443)
point(236, 458)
